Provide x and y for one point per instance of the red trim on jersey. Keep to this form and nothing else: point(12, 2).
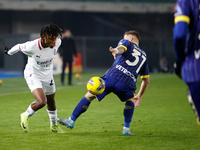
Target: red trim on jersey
point(39, 45)
point(20, 49)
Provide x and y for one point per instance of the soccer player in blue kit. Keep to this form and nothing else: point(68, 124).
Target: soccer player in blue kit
point(187, 47)
point(130, 61)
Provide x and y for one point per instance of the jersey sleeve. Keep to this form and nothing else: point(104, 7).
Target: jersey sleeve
point(144, 71)
point(181, 20)
point(58, 43)
point(123, 43)
point(182, 11)
point(27, 48)
point(24, 48)
point(14, 50)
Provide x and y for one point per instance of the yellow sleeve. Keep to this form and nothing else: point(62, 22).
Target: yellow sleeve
point(182, 18)
point(144, 76)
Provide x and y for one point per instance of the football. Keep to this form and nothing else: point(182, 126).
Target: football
point(96, 85)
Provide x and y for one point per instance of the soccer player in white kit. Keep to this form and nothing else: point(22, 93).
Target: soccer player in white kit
point(39, 73)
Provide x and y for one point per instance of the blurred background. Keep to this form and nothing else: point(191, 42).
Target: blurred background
point(95, 25)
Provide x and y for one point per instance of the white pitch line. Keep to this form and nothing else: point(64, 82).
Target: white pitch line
point(12, 93)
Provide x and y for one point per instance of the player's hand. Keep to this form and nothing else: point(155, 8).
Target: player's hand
point(137, 100)
point(177, 68)
point(113, 51)
point(6, 50)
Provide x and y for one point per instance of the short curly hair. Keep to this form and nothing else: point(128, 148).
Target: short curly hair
point(51, 31)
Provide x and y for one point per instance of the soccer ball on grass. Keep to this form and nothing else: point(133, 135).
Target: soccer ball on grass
point(96, 85)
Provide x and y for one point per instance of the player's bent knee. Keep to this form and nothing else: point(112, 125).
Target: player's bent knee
point(42, 103)
point(90, 96)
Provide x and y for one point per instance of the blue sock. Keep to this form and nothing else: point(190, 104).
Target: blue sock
point(80, 108)
point(128, 113)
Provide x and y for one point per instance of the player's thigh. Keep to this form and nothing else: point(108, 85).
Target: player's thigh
point(49, 86)
point(39, 95)
point(123, 92)
point(109, 83)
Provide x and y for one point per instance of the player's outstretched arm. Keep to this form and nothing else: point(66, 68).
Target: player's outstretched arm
point(117, 50)
point(12, 51)
point(143, 87)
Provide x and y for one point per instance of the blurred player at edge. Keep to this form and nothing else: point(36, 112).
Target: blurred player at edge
point(130, 61)
point(187, 46)
point(39, 73)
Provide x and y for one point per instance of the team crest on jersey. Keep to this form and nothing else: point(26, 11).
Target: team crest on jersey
point(178, 10)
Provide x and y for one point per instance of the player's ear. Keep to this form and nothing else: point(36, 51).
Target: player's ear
point(132, 39)
point(135, 39)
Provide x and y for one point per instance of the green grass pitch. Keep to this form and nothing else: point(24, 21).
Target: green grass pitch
point(164, 120)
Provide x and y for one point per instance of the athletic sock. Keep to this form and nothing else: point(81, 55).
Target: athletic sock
point(128, 113)
point(80, 108)
point(29, 112)
point(126, 128)
point(52, 116)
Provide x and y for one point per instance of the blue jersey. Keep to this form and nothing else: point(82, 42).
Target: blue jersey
point(187, 13)
point(129, 65)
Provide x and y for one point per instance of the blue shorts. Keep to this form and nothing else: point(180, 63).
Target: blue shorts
point(120, 89)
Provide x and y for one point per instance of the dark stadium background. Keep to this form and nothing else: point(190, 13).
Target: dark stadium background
point(93, 31)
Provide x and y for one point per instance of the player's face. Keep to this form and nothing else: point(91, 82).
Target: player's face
point(127, 37)
point(50, 41)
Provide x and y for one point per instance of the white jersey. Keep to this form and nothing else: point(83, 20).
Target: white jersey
point(40, 60)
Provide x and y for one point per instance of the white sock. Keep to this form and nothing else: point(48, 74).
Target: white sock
point(29, 112)
point(126, 128)
point(52, 116)
point(70, 120)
